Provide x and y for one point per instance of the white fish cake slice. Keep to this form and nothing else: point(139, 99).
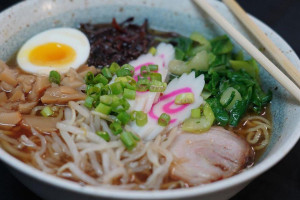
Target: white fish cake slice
point(166, 104)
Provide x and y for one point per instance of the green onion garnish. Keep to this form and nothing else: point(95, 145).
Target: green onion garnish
point(114, 67)
point(116, 128)
point(144, 71)
point(102, 108)
point(143, 85)
point(196, 113)
point(153, 67)
point(141, 118)
point(120, 105)
point(184, 98)
point(155, 76)
point(106, 73)
point(106, 99)
point(95, 89)
point(125, 70)
point(54, 77)
point(89, 102)
point(152, 50)
point(104, 135)
point(116, 88)
point(89, 78)
point(47, 111)
point(124, 117)
point(129, 94)
point(100, 79)
point(157, 86)
point(128, 140)
point(164, 119)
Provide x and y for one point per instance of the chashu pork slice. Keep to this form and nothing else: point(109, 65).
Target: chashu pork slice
point(210, 156)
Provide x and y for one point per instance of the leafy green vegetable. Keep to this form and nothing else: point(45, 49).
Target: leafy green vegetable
point(231, 83)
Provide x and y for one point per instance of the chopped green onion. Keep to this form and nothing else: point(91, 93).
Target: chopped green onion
point(121, 79)
point(106, 73)
point(155, 76)
point(120, 105)
point(129, 86)
point(153, 67)
point(133, 115)
point(123, 72)
point(141, 118)
point(184, 98)
point(137, 138)
point(54, 77)
point(157, 86)
point(128, 67)
point(128, 140)
point(164, 119)
point(201, 124)
point(144, 71)
point(124, 117)
point(129, 94)
point(116, 128)
point(104, 135)
point(114, 67)
point(89, 102)
point(106, 99)
point(102, 108)
point(152, 50)
point(89, 78)
point(143, 85)
point(116, 88)
point(105, 90)
point(47, 111)
point(100, 79)
point(95, 89)
point(196, 113)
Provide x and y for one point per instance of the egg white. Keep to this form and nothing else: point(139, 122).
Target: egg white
point(68, 36)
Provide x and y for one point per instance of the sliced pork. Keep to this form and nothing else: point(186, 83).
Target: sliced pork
point(210, 156)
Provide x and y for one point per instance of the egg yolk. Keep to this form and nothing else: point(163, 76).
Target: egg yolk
point(52, 54)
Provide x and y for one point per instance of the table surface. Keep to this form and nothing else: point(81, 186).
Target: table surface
point(283, 180)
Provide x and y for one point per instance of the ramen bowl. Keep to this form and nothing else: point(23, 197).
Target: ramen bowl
point(25, 19)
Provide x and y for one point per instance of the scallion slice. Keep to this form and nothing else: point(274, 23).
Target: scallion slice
point(106, 73)
point(116, 128)
point(124, 117)
point(114, 67)
point(104, 135)
point(157, 86)
point(54, 77)
point(141, 118)
point(152, 50)
point(100, 79)
point(47, 111)
point(153, 67)
point(164, 119)
point(196, 113)
point(106, 99)
point(129, 94)
point(128, 140)
point(184, 98)
point(143, 85)
point(102, 108)
point(89, 102)
point(155, 76)
point(116, 88)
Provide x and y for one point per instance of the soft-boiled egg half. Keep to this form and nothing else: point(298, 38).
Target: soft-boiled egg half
point(55, 49)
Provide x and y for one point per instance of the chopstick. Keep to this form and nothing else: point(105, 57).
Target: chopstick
point(275, 52)
point(250, 48)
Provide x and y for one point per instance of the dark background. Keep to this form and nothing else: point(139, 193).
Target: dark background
point(283, 180)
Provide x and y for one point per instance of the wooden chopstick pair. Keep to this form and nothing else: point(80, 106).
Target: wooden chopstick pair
point(252, 50)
